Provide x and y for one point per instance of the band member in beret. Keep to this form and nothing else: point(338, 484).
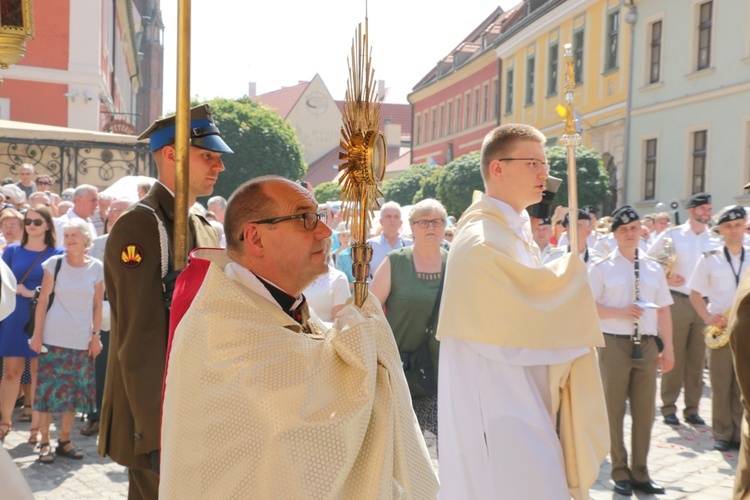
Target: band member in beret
point(633, 299)
point(717, 276)
point(689, 241)
point(137, 264)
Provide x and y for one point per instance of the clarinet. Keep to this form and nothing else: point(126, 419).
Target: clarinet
point(637, 353)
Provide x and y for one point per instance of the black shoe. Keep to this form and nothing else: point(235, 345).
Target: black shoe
point(695, 419)
point(721, 445)
point(671, 419)
point(623, 488)
point(735, 445)
point(649, 487)
point(91, 428)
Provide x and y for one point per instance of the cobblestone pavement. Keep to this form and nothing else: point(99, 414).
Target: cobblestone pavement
point(681, 459)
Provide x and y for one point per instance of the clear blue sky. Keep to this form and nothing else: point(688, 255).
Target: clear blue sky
point(281, 42)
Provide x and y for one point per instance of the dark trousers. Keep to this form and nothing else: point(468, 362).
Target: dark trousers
point(100, 368)
point(143, 484)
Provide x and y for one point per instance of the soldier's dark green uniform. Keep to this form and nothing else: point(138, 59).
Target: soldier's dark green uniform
point(130, 419)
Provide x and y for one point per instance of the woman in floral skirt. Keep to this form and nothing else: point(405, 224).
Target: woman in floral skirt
point(70, 331)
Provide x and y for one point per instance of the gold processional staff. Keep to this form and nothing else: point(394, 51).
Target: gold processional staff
point(364, 155)
point(571, 139)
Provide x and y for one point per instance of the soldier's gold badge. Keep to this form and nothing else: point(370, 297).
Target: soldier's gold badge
point(131, 256)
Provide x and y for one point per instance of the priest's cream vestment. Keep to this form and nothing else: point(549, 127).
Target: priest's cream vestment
point(256, 408)
point(516, 347)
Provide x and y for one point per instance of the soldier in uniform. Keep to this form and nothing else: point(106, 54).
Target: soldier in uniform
point(690, 240)
point(625, 276)
point(717, 277)
point(137, 258)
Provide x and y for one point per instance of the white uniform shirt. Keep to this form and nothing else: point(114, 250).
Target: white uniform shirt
point(613, 283)
point(688, 246)
point(714, 278)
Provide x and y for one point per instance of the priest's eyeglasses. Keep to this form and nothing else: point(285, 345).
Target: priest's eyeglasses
point(310, 219)
point(424, 223)
point(534, 164)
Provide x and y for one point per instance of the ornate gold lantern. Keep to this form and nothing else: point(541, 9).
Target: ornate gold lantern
point(16, 26)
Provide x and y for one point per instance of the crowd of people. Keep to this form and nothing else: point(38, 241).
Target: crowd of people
point(265, 357)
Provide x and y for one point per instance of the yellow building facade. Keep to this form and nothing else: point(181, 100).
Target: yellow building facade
point(532, 74)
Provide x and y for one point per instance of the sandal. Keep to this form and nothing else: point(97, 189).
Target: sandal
point(67, 449)
point(25, 417)
point(33, 436)
point(45, 454)
point(4, 431)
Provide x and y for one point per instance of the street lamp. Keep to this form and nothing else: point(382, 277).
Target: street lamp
point(630, 18)
point(16, 26)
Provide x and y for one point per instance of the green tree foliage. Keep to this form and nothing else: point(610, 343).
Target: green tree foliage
point(459, 180)
point(327, 191)
point(262, 142)
point(593, 180)
point(429, 187)
point(402, 188)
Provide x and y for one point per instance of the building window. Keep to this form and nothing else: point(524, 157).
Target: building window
point(704, 35)
point(433, 135)
point(486, 110)
point(655, 63)
point(495, 98)
point(650, 184)
point(554, 54)
point(449, 116)
point(613, 30)
point(418, 135)
point(699, 161)
point(578, 55)
point(467, 109)
point(476, 106)
point(458, 113)
point(530, 80)
point(425, 129)
point(509, 91)
point(441, 121)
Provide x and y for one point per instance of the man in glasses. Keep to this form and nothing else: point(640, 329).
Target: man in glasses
point(297, 410)
point(516, 345)
point(138, 277)
point(27, 175)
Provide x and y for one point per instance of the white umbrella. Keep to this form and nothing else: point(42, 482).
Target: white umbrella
point(127, 187)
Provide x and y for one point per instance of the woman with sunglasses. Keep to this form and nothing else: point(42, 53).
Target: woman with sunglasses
point(44, 184)
point(25, 260)
point(407, 283)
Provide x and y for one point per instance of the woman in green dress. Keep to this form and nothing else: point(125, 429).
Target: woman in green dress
point(407, 284)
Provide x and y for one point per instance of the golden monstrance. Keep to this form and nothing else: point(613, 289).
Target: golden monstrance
point(364, 155)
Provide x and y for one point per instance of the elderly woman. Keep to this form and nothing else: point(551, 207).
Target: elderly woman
point(407, 283)
point(70, 331)
point(25, 260)
point(11, 224)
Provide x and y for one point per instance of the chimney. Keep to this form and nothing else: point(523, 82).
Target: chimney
point(252, 89)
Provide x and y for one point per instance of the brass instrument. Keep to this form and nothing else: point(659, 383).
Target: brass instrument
point(668, 257)
point(716, 337)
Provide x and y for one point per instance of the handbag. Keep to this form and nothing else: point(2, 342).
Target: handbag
point(418, 368)
point(28, 328)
